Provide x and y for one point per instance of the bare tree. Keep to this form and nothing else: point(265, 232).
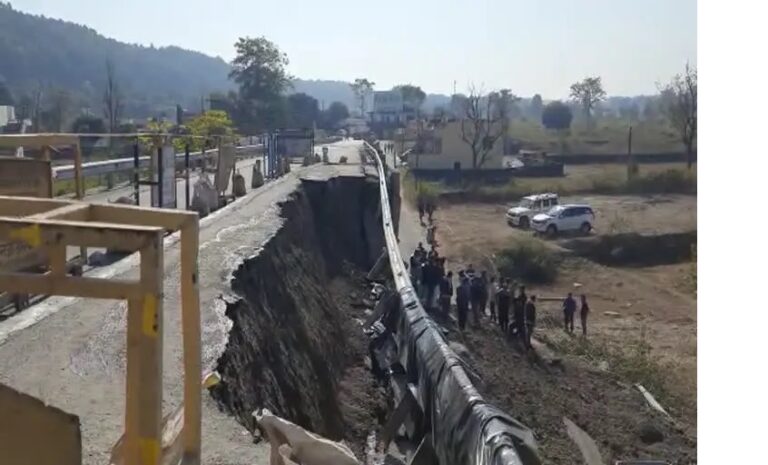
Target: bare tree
point(362, 88)
point(37, 107)
point(60, 103)
point(588, 93)
point(113, 102)
point(480, 127)
point(679, 105)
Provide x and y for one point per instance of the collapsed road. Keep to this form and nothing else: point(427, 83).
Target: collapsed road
point(281, 279)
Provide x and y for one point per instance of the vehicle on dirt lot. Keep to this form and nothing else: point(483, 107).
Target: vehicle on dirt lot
point(564, 218)
point(529, 207)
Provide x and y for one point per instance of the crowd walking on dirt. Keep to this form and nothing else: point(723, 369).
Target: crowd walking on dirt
point(478, 296)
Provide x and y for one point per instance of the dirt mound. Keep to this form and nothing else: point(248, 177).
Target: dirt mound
point(633, 249)
point(612, 413)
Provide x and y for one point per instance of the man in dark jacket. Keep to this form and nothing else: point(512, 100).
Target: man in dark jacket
point(446, 293)
point(503, 300)
point(462, 300)
point(530, 320)
point(519, 313)
point(476, 292)
point(569, 309)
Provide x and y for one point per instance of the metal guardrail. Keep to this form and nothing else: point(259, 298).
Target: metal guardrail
point(465, 429)
point(96, 168)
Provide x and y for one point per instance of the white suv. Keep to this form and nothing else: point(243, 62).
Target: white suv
point(564, 218)
point(529, 206)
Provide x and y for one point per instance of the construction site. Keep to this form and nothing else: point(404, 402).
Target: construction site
point(276, 324)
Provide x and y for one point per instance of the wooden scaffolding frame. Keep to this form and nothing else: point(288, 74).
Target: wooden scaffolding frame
point(52, 225)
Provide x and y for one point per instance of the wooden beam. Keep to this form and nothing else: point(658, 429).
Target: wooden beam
point(79, 184)
point(144, 386)
point(37, 233)
point(24, 206)
point(170, 441)
point(57, 260)
point(37, 140)
point(191, 335)
point(71, 212)
point(49, 284)
point(134, 215)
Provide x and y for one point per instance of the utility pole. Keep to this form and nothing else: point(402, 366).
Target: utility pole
point(631, 165)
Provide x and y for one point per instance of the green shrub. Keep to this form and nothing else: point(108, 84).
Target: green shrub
point(528, 260)
point(663, 182)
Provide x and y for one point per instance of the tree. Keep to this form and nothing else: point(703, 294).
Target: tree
point(37, 108)
point(335, 113)
point(504, 104)
point(557, 116)
point(480, 128)
point(59, 104)
point(259, 69)
point(362, 88)
point(113, 102)
point(588, 93)
point(537, 106)
point(679, 105)
point(629, 112)
point(24, 107)
point(89, 124)
point(413, 96)
point(6, 98)
point(303, 110)
point(207, 124)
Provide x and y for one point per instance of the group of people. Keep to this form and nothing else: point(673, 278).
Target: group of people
point(504, 302)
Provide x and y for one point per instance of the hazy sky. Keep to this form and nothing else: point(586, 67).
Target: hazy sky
point(529, 46)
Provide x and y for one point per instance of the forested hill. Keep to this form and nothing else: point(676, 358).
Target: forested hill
point(50, 54)
point(35, 50)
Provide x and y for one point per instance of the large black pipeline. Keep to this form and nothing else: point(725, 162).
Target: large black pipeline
point(465, 429)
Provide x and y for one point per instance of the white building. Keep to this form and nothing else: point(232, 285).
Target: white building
point(7, 114)
point(388, 107)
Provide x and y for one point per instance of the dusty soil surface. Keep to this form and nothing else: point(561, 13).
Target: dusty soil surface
point(655, 305)
point(610, 411)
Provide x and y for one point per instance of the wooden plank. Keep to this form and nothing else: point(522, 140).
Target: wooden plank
point(191, 335)
point(23, 206)
point(38, 233)
point(49, 284)
point(57, 260)
point(170, 441)
point(79, 184)
point(135, 215)
point(144, 396)
point(71, 212)
point(25, 177)
point(37, 140)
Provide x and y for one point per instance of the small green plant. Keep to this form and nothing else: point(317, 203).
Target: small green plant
point(528, 260)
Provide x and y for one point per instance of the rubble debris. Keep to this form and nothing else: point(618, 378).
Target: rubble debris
point(291, 443)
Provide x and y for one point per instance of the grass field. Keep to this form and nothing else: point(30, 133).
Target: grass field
point(608, 137)
point(667, 178)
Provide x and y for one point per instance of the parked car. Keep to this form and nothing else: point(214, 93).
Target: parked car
point(529, 207)
point(564, 218)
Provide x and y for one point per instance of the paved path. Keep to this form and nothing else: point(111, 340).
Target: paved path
point(70, 352)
